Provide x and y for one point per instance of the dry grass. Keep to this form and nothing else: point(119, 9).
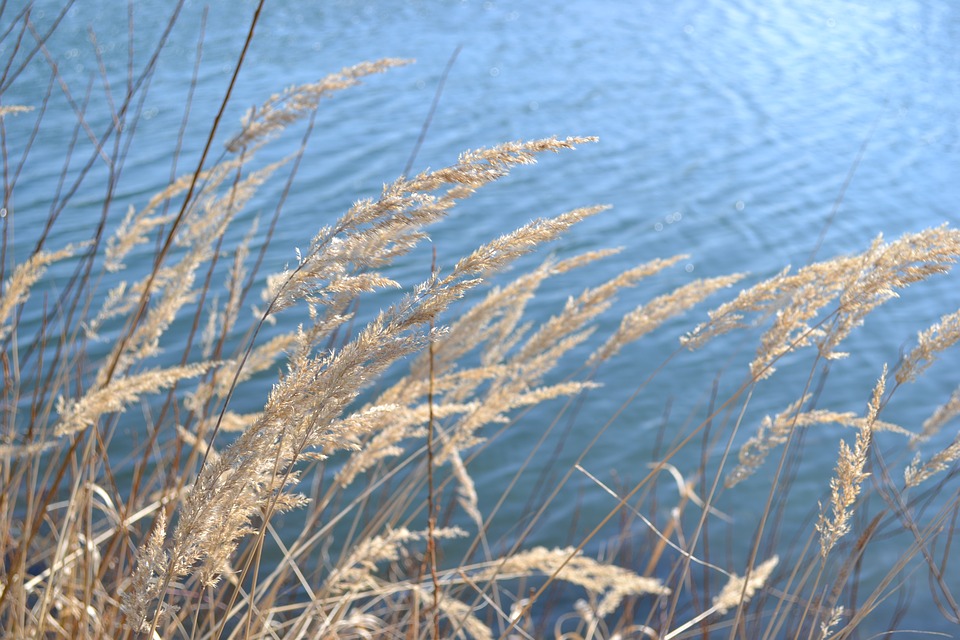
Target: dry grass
point(374, 419)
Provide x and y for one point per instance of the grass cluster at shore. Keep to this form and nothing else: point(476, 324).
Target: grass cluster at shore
point(367, 436)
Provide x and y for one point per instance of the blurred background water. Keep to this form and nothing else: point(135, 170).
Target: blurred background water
point(727, 130)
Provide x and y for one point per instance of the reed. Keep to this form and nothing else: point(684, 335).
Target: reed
point(140, 500)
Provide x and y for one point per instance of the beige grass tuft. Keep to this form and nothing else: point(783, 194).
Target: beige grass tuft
point(855, 286)
point(845, 486)
point(738, 590)
point(16, 289)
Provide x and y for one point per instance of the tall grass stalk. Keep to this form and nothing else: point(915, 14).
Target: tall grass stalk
point(142, 498)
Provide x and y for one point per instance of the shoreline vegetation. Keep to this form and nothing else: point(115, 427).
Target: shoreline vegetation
point(373, 420)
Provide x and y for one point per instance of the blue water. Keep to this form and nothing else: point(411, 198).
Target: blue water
point(727, 130)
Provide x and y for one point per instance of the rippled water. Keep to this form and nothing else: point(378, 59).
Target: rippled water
point(727, 130)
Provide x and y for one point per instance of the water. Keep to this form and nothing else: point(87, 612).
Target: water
point(727, 129)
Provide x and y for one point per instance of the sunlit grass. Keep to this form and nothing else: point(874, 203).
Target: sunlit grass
point(140, 498)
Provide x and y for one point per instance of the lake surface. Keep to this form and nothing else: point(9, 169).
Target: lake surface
point(727, 131)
